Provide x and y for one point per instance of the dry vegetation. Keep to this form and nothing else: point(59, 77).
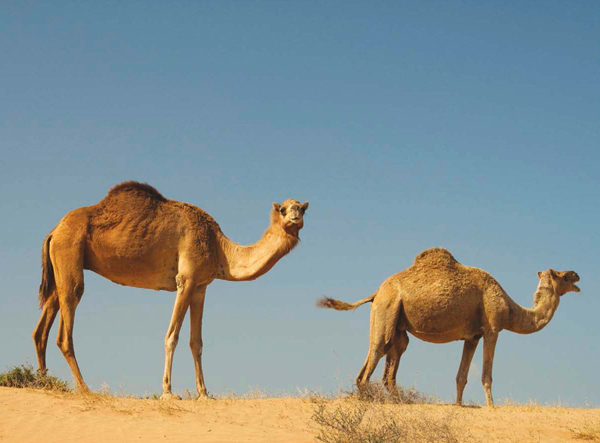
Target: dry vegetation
point(25, 376)
point(588, 431)
point(372, 415)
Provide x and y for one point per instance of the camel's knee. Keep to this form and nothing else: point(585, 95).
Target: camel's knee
point(36, 335)
point(486, 380)
point(196, 346)
point(461, 381)
point(66, 346)
point(171, 342)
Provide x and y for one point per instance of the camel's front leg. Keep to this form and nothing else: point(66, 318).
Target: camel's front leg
point(196, 311)
point(489, 346)
point(185, 289)
point(463, 370)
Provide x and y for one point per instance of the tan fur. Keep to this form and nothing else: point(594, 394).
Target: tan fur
point(439, 300)
point(137, 237)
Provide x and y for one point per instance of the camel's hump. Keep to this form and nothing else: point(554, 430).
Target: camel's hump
point(136, 188)
point(436, 257)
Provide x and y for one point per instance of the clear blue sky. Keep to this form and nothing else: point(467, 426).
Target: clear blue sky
point(469, 125)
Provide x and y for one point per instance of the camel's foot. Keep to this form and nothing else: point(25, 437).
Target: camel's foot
point(169, 396)
point(83, 389)
point(203, 395)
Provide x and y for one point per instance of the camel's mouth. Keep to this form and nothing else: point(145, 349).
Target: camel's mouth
point(574, 278)
point(295, 220)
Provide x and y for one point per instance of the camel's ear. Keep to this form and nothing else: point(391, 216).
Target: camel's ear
point(276, 206)
point(553, 273)
point(304, 207)
point(540, 274)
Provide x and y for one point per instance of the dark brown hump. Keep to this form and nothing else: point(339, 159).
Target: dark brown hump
point(138, 188)
point(436, 257)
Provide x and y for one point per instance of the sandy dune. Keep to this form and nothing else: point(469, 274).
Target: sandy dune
point(35, 416)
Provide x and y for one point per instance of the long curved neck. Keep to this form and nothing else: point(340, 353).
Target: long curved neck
point(243, 263)
point(545, 303)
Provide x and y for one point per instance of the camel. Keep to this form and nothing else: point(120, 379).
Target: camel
point(136, 237)
point(438, 300)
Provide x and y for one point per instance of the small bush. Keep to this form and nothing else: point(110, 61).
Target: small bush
point(361, 422)
point(348, 425)
point(377, 393)
point(25, 376)
point(374, 415)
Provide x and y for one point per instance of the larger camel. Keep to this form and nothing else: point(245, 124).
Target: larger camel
point(136, 237)
point(439, 300)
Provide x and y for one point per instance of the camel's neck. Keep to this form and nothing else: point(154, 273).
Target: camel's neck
point(545, 303)
point(242, 263)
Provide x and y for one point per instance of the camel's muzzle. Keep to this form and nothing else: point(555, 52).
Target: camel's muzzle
point(573, 277)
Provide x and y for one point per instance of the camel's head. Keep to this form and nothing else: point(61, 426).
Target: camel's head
point(562, 282)
point(290, 215)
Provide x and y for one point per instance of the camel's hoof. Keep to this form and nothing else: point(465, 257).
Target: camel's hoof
point(170, 396)
point(84, 390)
point(205, 397)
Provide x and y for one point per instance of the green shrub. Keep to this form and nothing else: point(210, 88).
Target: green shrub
point(25, 376)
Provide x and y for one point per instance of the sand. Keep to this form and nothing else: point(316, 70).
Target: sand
point(38, 416)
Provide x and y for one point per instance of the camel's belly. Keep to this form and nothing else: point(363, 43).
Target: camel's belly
point(442, 323)
point(140, 278)
point(444, 337)
point(149, 272)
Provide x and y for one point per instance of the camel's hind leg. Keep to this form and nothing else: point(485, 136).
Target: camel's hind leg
point(373, 357)
point(378, 344)
point(392, 361)
point(41, 331)
point(67, 261)
point(383, 328)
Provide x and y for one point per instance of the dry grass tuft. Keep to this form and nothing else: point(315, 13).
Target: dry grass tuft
point(373, 415)
point(377, 393)
point(25, 376)
point(359, 422)
point(590, 431)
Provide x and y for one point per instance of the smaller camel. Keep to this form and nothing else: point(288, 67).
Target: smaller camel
point(136, 237)
point(439, 300)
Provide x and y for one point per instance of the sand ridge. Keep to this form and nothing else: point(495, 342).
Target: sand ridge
point(39, 416)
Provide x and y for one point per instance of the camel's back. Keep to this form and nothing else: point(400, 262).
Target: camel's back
point(136, 214)
point(135, 233)
point(436, 271)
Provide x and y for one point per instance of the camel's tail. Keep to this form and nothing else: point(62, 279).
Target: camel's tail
point(47, 285)
point(327, 302)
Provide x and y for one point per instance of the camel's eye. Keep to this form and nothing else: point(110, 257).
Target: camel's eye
point(282, 210)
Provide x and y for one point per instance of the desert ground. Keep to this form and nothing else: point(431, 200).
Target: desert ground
point(28, 415)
